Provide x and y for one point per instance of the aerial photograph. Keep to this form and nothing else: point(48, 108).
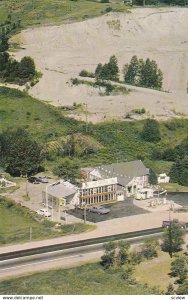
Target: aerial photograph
point(93, 148)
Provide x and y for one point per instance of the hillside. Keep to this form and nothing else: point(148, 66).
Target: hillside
point(61, 52)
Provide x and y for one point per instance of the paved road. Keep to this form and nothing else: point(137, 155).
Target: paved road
point(106, 228)
point(63, 258)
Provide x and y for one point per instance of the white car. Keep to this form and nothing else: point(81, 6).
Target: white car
point(100, 210)
point(44, 212)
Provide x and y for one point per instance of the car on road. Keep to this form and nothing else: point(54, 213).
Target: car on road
point(33, 180)
point(44, 212)
point(100, 210)
point(166, 224)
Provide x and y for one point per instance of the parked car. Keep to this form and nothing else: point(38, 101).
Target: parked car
point(44, 212)
point(33, 180)
point(100, 210)
point(43, 179)
point(166, 224)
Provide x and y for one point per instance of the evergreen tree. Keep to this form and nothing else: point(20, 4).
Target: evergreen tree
point(3, 42)
point(172, 238)
point(108, 71)
point(179, 268)
point(132, 71)
point(4, 57)
point(179, 171)
point(151, 131)
point(98, 71)
point(152, 177)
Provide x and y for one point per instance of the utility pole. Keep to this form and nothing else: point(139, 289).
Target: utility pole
point(30, 233)
point(170, 235)
point(26, 188)
point(86, 113)
point(85, 218)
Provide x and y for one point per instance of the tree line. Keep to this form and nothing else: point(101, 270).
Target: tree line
point(138, 72)
point(10, 69)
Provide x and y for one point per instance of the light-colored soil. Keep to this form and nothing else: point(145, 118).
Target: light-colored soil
point(61, 52)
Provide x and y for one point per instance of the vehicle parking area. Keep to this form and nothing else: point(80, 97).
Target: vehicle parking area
point(117, 210)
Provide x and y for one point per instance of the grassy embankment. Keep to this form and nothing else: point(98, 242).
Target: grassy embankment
point(15, 223)
point(121, 141)
point(39, 12)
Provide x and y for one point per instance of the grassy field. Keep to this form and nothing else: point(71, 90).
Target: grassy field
point(15, 223)
point(89, 279)
point(174, 187)
point(155, 272)
point(38, 12)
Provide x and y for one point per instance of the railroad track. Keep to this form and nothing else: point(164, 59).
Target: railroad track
point(133, 237)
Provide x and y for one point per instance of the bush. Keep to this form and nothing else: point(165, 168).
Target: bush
point(139, 111)
point(151, 131)
point(85, 73)
point(108, 9)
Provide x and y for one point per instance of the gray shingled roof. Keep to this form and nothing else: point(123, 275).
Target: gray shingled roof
point(60, 190)
point(125, 171)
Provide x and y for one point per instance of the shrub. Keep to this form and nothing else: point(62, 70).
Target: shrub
point(85, 73)
point(151, 131)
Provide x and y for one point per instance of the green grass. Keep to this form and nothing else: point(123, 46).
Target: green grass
point(15, 223)
point(37, 12)
point(174, 187)
point(120, 141)
point(43, 121)
point(155, 272)
point(89, 279)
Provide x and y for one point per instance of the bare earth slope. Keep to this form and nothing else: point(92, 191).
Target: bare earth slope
point(61, 52)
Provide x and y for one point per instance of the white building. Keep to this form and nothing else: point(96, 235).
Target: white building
point(163, 178)
point(99, 191)
point(131, 176)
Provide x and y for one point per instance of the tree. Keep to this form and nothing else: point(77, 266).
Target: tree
point(179, 171)
point(149, 248)
point(172, 238)
point(150, 75)
point(26, 68)
point(123, 254)
point(69, 169)
point(108, 259)
point(20, 154)
point(108, 71)
point(151, 131)
point(132, 71)
point(183, 288)
point(179, 268)
point(4, 57)
point(98, 71)
point(3, 42)
point(152, 177)
point(143, 73)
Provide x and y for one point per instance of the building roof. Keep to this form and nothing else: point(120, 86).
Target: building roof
point(62, 189)
point(129, 169)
